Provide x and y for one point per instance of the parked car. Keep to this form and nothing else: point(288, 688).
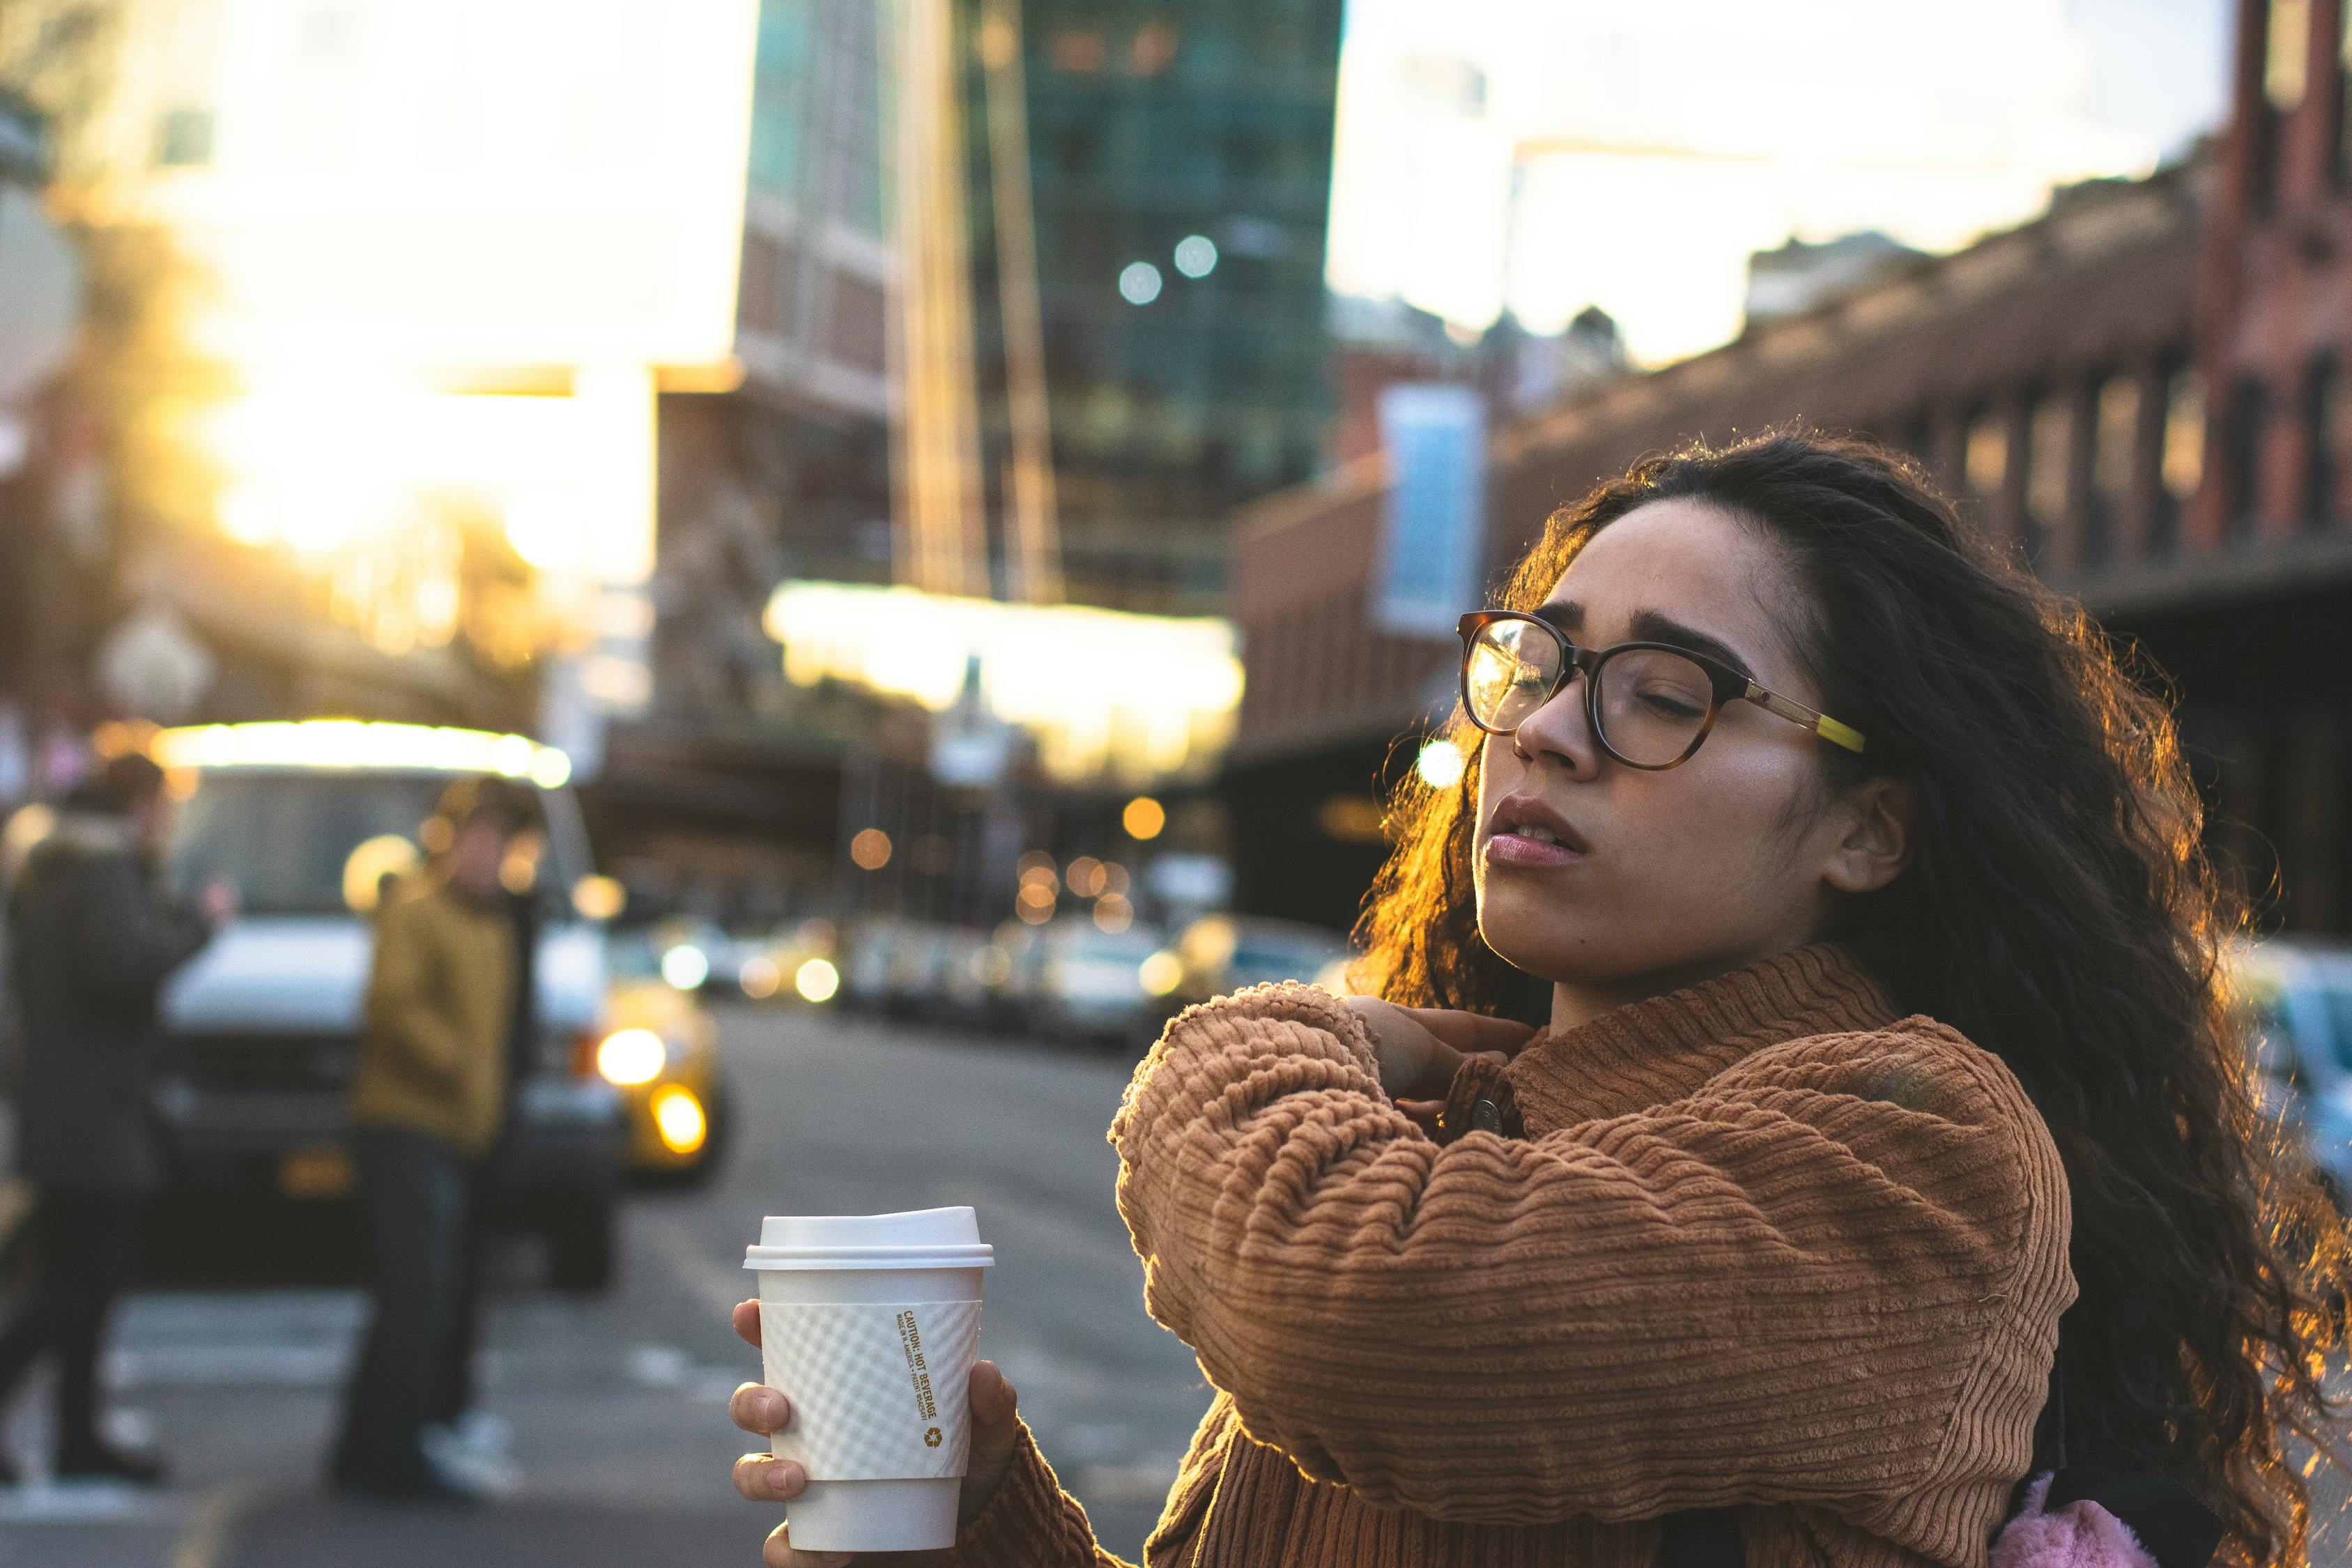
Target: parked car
point(1011, 970)
point(792, 963)
point(262, 1028)
point(900, 965)
point(2297, 1002)
point(690, 955)
point(865, 961)
point(1219, 954)
point(660, 1050)
point(1089, 984)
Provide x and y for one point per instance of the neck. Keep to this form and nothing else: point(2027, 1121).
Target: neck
point(1575, 1003)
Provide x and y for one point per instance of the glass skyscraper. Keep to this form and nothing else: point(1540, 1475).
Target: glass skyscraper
point(1178, 162)
point(1180, 159)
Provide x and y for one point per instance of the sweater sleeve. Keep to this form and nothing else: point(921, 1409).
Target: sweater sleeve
point(1775, 1289)
point(1030, 1523)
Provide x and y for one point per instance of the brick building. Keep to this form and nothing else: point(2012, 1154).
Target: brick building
point(2054, 377)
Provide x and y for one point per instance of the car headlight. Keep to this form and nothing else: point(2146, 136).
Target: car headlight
point(630, 1057)
point(1162, 972)
point(816, 980)
point(679, 1118)
point(686, 966)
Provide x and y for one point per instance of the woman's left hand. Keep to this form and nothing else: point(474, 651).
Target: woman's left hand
point(1419, 1049)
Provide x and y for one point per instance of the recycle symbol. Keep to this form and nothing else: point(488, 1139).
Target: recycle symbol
point(931, 1438)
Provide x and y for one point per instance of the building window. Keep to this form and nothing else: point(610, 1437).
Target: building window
point(2180, 460)
point(1917, 440)
point(2344, 90)
point(1984, 461)
point(855, 142)
point(761, 301)
point(2248, 416)
point(857, 335)
point(2323, 415)
point(1074, 151)
point(2049, 437)
point(1079, 50)
point(781, 82)
point(2286, 46)
point(1153, 49)
point(184, 139)
point(2115, 442)
point(1248, 156)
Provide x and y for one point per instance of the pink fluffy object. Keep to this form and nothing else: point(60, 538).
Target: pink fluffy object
point(2080, 1535)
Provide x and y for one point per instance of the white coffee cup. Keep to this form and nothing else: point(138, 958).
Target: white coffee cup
point(868, 1323)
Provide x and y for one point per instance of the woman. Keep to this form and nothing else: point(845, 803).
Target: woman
point(1859, 892)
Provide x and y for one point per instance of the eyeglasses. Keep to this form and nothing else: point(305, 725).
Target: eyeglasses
point(1650, 704)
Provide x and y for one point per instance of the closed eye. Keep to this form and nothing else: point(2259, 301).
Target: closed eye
point(1667, 705)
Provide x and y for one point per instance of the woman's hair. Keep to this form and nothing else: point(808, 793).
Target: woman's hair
point(2060, 910)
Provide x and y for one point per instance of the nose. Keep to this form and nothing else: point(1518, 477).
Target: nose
point(1562, 729)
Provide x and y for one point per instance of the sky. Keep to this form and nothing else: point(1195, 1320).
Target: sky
point(1653, 145)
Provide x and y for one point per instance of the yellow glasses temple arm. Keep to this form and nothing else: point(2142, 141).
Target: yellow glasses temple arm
point(1821, 724)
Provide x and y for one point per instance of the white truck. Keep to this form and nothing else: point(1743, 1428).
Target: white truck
point(262, 1028)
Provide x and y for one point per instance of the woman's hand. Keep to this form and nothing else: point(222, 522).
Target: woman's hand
point(1420, 1050)
point(763, 1478)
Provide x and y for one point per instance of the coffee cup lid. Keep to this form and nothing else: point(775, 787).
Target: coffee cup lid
point(918, 1238)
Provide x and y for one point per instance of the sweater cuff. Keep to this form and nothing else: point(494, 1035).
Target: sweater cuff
point(1480, 1100)
point(1030, 1523)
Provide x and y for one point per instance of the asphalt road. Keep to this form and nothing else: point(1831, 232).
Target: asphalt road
point(231, 1357)
point(231, 1361)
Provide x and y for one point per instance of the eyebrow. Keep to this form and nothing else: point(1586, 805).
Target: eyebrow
point(1567, 617)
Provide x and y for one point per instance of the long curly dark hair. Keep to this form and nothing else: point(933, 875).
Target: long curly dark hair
point(2060, 910)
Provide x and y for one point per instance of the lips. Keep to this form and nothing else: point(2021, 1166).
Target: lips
point(1526, 832)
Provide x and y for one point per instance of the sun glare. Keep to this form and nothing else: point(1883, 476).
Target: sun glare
point(1550, 156)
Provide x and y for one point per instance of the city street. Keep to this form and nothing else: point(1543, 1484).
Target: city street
point(710, 591)
point(618, 1404)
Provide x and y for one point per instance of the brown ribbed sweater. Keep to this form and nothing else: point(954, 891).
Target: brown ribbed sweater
point(1764, 1245)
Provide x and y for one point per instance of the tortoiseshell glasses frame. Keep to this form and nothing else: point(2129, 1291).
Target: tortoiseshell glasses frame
point(1663, 719)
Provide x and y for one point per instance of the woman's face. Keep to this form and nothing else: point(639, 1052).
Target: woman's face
point(1661, 877)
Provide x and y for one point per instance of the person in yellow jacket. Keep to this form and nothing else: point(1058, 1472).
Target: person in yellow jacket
point(427, 1104)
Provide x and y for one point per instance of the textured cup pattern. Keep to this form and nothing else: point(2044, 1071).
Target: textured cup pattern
point(879, 1392)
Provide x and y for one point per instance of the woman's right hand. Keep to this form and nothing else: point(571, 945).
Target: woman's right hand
point(763, 1478)
point(1420, 1048)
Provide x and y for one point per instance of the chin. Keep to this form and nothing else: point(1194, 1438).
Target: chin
point(1559, 948)
point(1525, 939)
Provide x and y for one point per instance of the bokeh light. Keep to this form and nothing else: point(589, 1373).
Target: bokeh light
point(686, 966)
point(759, 977)
point(1144, 818)
point(678, 1118)
point(599, 898)
point(369, 863)
point(1440, 764)
point(1162, 972)
point(631, 1057)
point(816, 980)
point(1138, 283)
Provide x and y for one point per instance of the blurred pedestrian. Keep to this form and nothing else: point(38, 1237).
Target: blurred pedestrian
point(93, 934)
point(428, 1103)
point(1812, 990)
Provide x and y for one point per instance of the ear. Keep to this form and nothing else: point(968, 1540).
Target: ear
point(1874, 844)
